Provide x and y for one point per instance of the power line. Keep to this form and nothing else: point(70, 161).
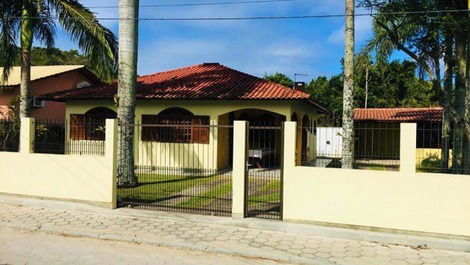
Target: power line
point(271, 17)
point(200, 4)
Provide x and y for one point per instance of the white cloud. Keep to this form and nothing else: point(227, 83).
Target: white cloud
point(291, 57)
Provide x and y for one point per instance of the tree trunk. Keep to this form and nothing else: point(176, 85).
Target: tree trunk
point(128, 36)
point(466, 153)
point(447, 101)
point(460, 89)
point(348, 113)
point(26, 47)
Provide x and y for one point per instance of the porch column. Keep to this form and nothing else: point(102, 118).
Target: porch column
point(27, 135)
point(240, 131)
point(408, 148)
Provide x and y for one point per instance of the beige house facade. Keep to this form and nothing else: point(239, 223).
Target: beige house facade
point(215, 104)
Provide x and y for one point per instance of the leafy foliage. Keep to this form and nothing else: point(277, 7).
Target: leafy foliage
point(393, 84)
point(280, 79)
point(53, 56)
point(98, 43)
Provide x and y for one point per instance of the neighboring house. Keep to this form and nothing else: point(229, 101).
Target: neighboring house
point(205, 94)
point(45, 79)
point(378, 131)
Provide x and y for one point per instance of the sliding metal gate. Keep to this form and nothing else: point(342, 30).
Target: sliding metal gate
point(184, 166)
point(264, 179)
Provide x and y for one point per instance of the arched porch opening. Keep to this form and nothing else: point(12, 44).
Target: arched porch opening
point(264, 138)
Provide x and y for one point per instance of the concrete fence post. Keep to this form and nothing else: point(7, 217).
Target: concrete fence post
point(240, 131)
point(290, 145)
point(111, 157)
point(27, 129)
point(408, 148)
point(289, 163)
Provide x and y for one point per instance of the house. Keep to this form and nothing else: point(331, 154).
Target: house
point(45, 79)
point(378, 131)
point(207, 94)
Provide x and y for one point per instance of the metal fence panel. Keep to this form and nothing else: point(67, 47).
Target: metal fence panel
point(438, 154)
point(264, 178)
point(181, 167)
point(58, 137)
point(9, 135)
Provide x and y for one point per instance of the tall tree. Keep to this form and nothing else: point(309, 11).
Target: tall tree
point(391, 84)
point(428, 39)
point(348, 97)
point(128, 42)
point(26, 40)
point(27, 20)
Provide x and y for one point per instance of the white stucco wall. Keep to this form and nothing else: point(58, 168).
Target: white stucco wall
point(404, 200)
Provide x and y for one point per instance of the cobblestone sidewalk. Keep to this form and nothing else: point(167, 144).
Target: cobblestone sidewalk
point(169, 231)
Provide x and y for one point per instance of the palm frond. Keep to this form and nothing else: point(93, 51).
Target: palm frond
point(44, 26)
point(9, 29)
point(96, 41)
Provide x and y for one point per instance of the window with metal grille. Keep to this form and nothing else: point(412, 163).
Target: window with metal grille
point(175, 125)
point(91, 125)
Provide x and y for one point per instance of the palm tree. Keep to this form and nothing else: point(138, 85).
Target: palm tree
point(348, 97)
point(29, 20)
point(128, 40)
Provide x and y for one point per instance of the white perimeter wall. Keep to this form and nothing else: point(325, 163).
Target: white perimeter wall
point(404, 200)
point(68, 177)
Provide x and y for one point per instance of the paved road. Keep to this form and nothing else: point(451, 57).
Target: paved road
point(40, 248)
point(214, 234)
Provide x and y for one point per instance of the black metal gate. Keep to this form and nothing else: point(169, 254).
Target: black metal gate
point(181, 165)
point(264, 179)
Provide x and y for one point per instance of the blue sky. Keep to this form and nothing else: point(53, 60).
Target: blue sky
point(309, 46)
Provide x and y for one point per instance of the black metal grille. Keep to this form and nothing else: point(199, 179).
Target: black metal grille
point(264, 178)
point(194, 175)
point(57, 137)
point(49, 137)
point(9, 135)
point(438, 154)
point(376, 146)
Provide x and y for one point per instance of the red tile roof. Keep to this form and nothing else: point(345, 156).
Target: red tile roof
point(203, 81)
point(433, 115)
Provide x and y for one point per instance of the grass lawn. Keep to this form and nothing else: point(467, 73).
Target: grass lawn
point(207, 198)
point(153, 187)
point(269, 193)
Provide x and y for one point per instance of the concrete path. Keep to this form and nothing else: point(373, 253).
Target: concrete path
point(39, 248)
point(211, 234)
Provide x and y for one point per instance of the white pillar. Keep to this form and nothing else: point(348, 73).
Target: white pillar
point(290, 144)
point(27, 135)
point(240, 131)
point(408, 148)
point(111, 157)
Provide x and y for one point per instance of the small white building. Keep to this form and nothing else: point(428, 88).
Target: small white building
point(329, 142)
